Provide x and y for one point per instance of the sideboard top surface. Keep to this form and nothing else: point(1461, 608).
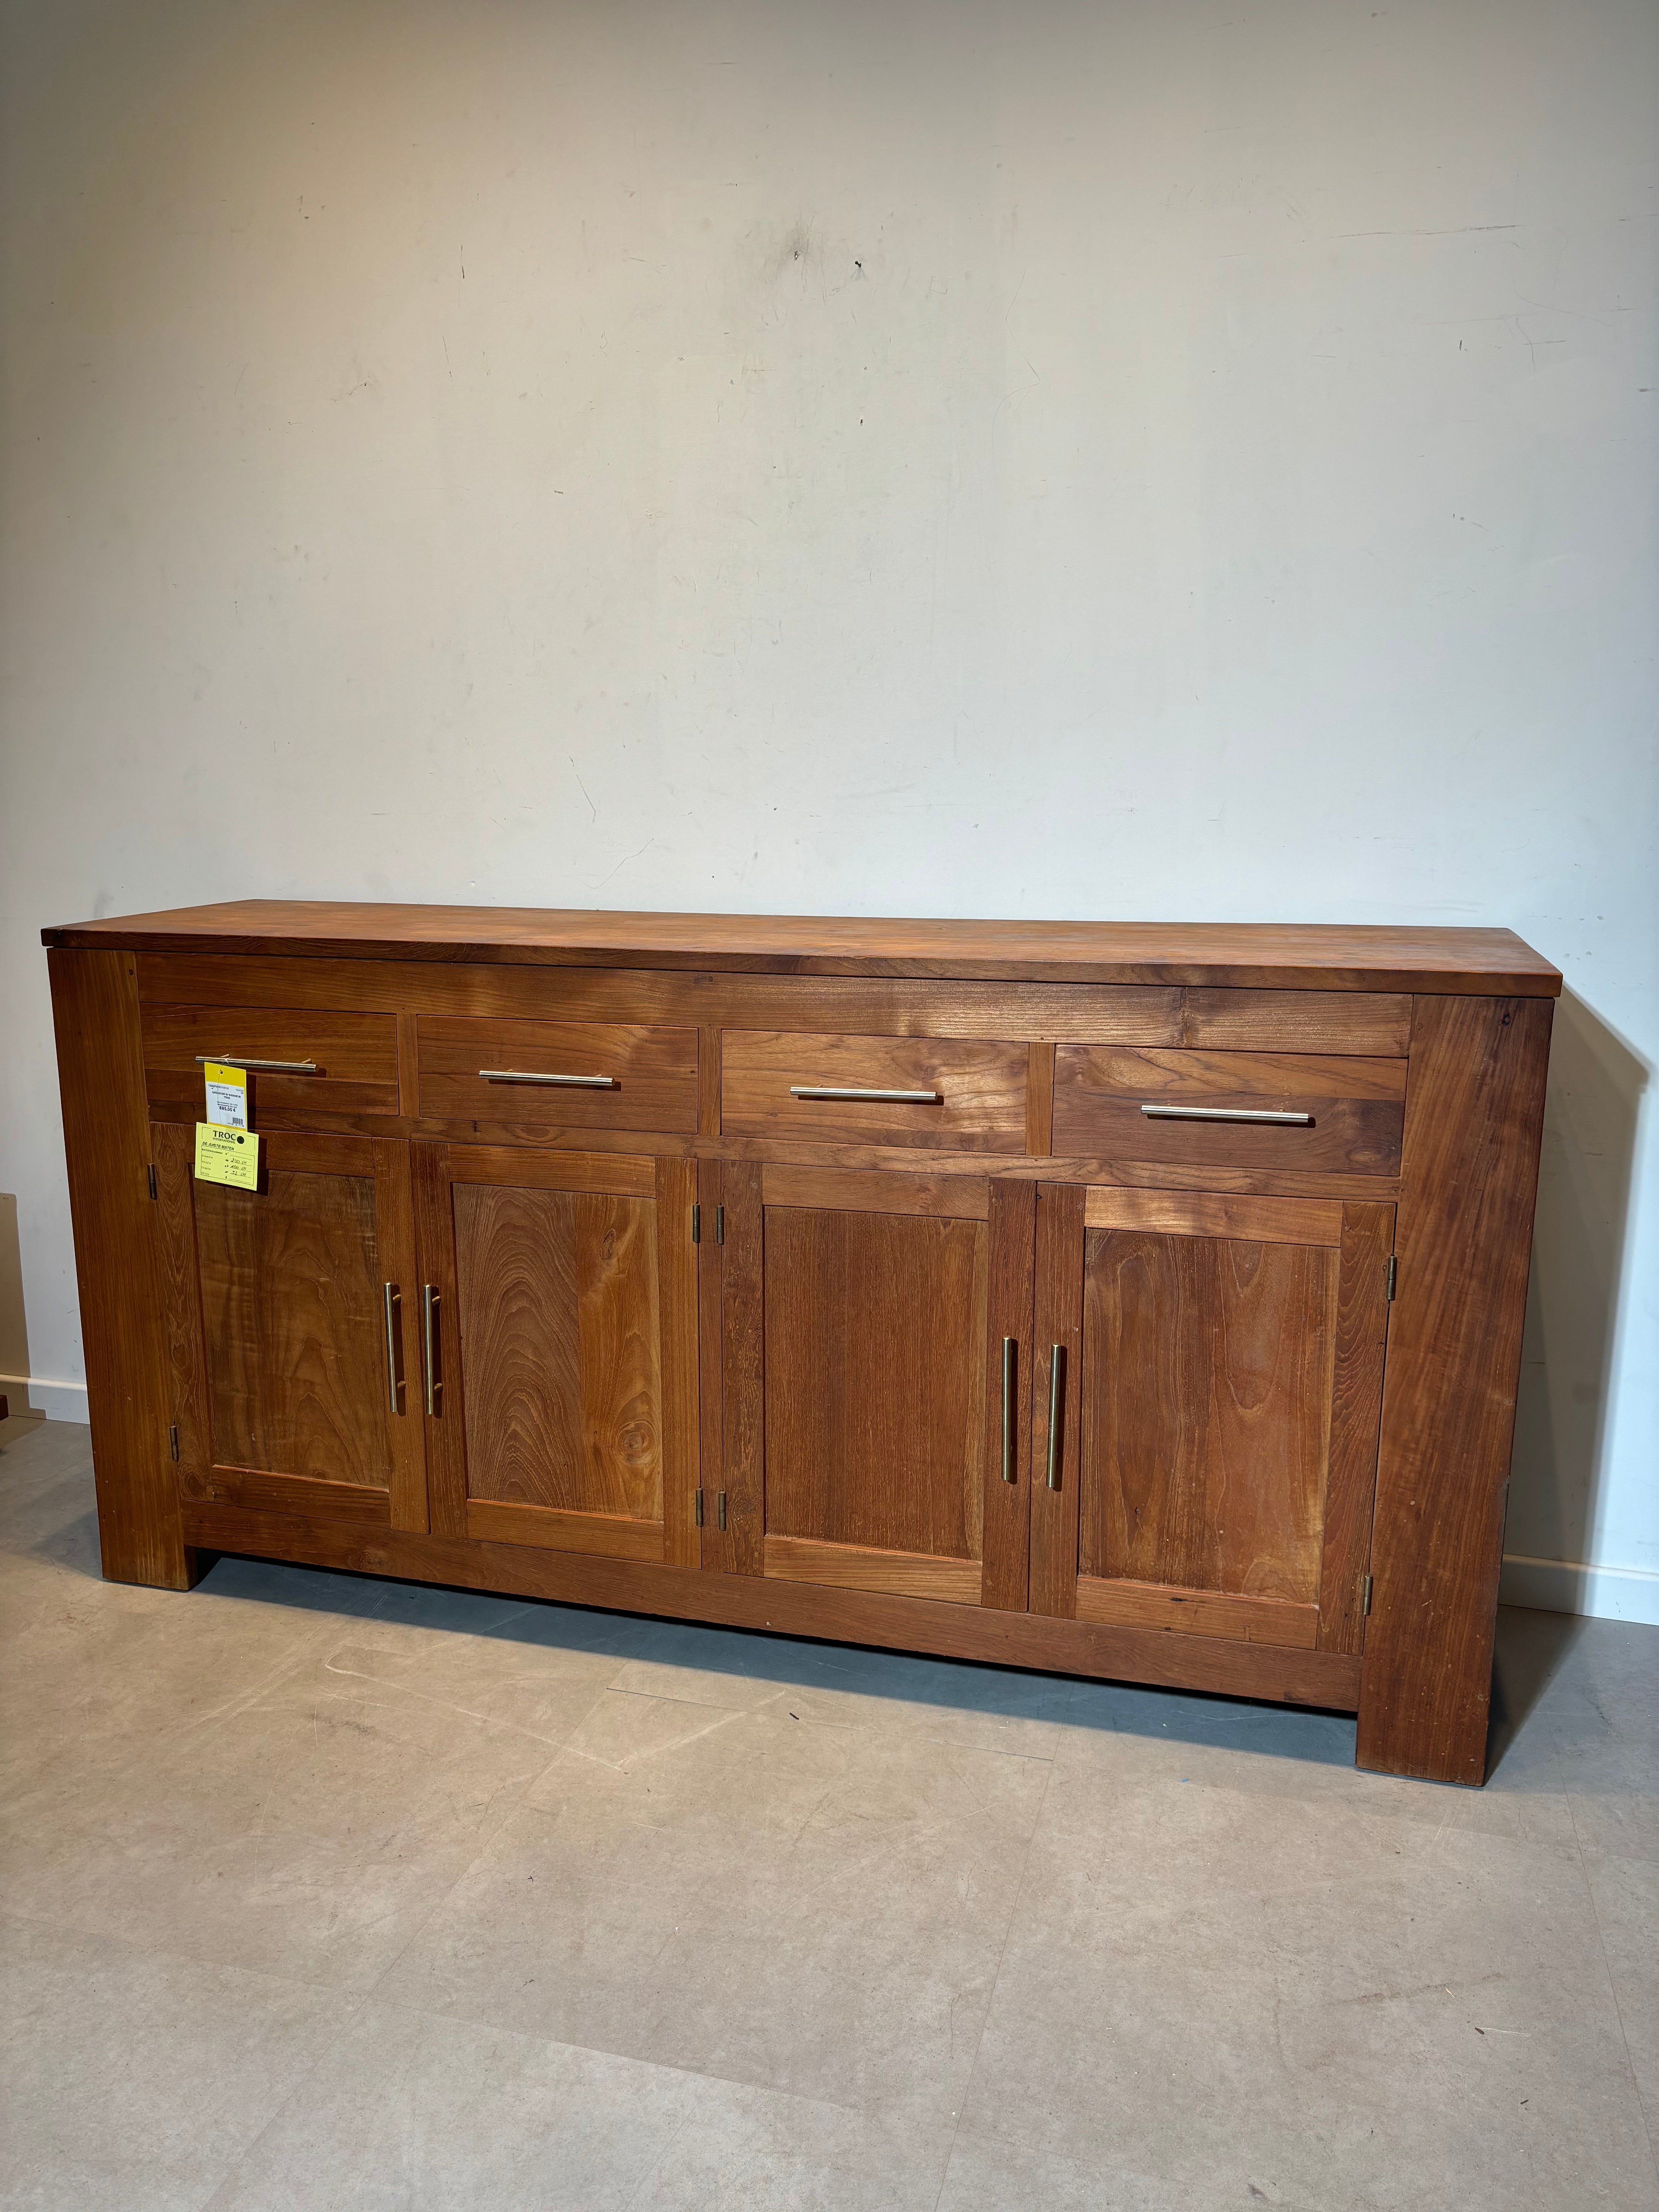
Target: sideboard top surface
point(1271, 956)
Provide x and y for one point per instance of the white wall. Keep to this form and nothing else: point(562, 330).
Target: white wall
point(1159, 459)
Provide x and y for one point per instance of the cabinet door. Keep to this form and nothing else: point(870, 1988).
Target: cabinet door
point(562, 1349)
point(289, 1313)
point(865, 1431)
point(1219, 1387)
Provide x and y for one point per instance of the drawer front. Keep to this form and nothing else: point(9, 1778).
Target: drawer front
point(969, 1096)
point(1349, 1112)
point(610, 1075)
point(337, 1063)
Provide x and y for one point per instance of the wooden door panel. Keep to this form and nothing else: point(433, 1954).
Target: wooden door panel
point(567, 1294)
point(291, 1395)
point(1221, 1384)
point(559, 1337)
point(861, 1416)
point(1205, 1397)
point(875, 1380)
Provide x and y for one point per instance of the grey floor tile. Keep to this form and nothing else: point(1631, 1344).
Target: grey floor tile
point(135, 2080)
point(811, 1909)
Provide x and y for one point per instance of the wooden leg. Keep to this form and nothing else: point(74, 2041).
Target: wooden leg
point(94, 998)
point(1474, 1106)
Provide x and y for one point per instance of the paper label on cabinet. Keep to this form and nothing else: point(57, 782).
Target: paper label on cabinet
point(229, 1156)
point(227, 1096)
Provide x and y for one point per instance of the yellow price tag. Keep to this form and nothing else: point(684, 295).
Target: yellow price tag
point(227, 1096)
point(229, 1156)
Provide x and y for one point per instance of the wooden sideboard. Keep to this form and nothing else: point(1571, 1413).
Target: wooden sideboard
point(1135, 1301)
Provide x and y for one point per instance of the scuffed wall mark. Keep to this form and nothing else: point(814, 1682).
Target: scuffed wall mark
point(796, 250)
point(582, 787)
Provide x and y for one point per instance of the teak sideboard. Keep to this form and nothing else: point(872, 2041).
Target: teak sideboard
point(1130, 1301)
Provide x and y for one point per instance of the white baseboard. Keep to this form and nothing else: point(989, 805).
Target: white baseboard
point(58, 1402)
point(1569, 1586)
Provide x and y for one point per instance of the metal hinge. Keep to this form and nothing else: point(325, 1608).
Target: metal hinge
point(150, 1173)
point(696, 1511)
point(697, 1225)
point(172, 1442)
point(720, 1509)
point(719, 1228)
point(1392, 1272)
point(1364, 1594)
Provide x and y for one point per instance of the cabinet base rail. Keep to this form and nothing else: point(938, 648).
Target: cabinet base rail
point(1163, 1658)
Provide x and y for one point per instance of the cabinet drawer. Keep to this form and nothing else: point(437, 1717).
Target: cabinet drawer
point(581, 1075)
point(966, 1095)
point(334, 1063)
point(1151, 1103)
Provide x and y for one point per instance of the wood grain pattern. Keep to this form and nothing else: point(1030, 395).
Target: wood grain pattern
point(1362, 1333)
point(709, 1080)
point(737, 1548)
point(409, 1067)
point(711, 1356)
point(1006, 1539)
point(1328, 1679)
point(961, 1198)
point(1058, 1291)
point(654, 1071)
point(100, 1077)
point(293, 1326)
point(560, 1342)
point(876, 1380)
point(1364, 1021)
point(174, 1153)
point(1205, 1393)
point(1121, 1604)
point(609, 1535)
point(1474, 1123)
point(356, 1057)
point(1254, 956)
point(445, 1426)
point(1040, 1100)
point(622, 1174)
point(1217, 1214)
point(677, 1307)
point(855, 1566)
point(982, 1088)
point(394, 1226)
point(362, 1504)
point(1357, 1107)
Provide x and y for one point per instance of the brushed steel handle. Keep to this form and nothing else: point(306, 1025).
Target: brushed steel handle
point(394, 1381)
point(260, 1066)
point(869, 1098)
point(528, 1075)
point(429, 1339)
point(1008, 1409)
point(1223, 1114)
point(1056, 1373)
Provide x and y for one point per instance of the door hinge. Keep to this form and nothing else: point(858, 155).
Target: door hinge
point(1392, 1272)
point(696, 1508)
point(720, 1224)
point(1364, 1594)
point(150, 1174)
point(172, 1441)
point(697, 1225)
point(720, 1509)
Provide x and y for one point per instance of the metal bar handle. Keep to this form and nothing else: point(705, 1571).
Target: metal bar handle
point(1008, 1470)
point(1056, 1375)
point(394, 1381)
point(260, 1066)
point(1224, 1114)
point(870, 1097)
point(528, 1075)
point(430, 1336)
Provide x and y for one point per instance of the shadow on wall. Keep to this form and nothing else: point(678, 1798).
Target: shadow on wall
point(1595, 1087)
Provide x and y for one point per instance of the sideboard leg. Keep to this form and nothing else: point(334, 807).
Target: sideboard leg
point(100, 1070)
point(1475, 1106)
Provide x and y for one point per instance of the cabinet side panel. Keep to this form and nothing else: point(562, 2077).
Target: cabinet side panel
point(100, 1073)
point(1475, 1113)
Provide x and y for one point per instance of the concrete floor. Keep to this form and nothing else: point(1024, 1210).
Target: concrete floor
point(319, 1891)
